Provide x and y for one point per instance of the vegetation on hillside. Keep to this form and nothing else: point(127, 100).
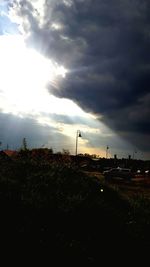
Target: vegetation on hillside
point(53, 206)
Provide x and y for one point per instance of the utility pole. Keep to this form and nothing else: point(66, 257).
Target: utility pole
point(134, 152)
point(107, 152)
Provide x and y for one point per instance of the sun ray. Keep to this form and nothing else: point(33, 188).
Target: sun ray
point(25, 73)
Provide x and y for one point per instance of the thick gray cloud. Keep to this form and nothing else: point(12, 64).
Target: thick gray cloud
point(13, 129)
point(105, 44)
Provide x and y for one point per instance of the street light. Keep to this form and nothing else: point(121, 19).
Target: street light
point(78, 134)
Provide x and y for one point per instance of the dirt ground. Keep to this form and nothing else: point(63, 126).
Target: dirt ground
point(137, 186)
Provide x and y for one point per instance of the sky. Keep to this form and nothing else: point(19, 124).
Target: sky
point(69, 65)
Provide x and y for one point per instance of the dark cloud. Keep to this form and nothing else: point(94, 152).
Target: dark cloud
point(106, 46)
point(13, 129)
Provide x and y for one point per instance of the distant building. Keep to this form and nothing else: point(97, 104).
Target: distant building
point(4, 156)
point(10, 153)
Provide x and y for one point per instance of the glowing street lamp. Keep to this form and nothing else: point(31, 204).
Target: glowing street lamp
point(78, 134)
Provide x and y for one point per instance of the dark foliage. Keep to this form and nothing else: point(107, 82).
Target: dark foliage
point(61, 212)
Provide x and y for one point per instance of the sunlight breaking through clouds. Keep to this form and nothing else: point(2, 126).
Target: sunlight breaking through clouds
point(75, 54)
point(24, 76)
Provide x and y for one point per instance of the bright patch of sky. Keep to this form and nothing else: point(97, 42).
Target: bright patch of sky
point(6, 25)
point(24, 74)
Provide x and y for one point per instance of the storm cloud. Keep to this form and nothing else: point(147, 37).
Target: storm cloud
point(13, 129)
point(105, 47)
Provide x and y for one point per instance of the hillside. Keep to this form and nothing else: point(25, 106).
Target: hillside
point(57, 209)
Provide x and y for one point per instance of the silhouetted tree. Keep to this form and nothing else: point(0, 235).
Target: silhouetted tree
point(24, 144)
point(65, 152)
